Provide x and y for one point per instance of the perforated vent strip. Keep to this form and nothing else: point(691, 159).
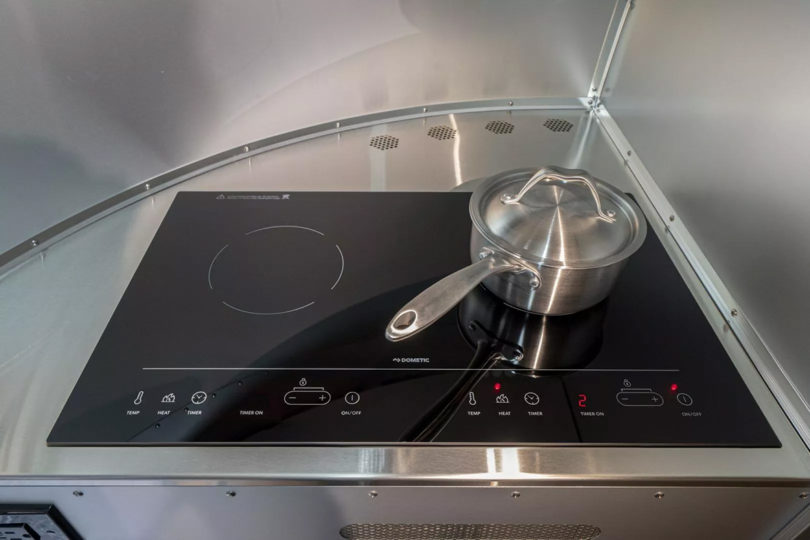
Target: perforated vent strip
point(557, 124)
point(384, 142)
point(499, 127)
point(442, 132)
point(468, 531)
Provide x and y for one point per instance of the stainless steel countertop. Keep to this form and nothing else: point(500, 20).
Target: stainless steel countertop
point(54, 307)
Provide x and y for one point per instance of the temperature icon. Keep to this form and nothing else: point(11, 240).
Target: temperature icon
point(471, 400)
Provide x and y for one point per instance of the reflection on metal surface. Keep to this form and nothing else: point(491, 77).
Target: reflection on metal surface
point(93, 111)
point(704, 146)
point(62, 302)
point(456, 151)
point(25, 249)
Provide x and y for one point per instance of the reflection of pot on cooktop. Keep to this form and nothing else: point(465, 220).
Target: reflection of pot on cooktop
point(530, 341)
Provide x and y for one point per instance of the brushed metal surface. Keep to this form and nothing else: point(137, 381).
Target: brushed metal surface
point(54, 307)
point(550, 262)
point(319, 512)
point(98, 96)
point(707, 115)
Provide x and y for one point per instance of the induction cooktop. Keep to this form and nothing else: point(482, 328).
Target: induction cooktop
point(259, 318)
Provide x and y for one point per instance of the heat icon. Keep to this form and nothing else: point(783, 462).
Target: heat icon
point(502, 399)
point(138, 398)
point(471, 400)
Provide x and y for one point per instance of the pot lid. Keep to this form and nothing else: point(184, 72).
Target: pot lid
point(557, 217)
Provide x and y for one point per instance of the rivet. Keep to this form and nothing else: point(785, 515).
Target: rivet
point(230, 493)
point(659, 495)
point(672, 217)
point(78, 493)
point(372, 494)
point(515, 494)
point(424, 109)
point(337, 124)
point(34, 243)
point(803, 495)
point(246, 149)
point(146, 186)
point(629, 153)
point(734, 313)
point(511, 103)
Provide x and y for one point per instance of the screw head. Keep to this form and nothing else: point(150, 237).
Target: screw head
point(659, 495)
point(515, 494)
point(424, 109)
point(34, 243)
point(629, 152)
point(78, 493)
point(511, 103)
point(372, 494)
point(734, 313)
point(230, 493)
point(672, 217)
point(803, 495)
point(590, 102)
point(146, 186)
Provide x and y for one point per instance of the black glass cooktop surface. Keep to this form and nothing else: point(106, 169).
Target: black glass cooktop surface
point(259, 318)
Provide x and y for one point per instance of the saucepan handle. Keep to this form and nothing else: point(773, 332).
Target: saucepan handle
point(429, 306)
point(549, 175)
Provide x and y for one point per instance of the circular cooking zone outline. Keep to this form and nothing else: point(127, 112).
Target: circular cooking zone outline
point(238, 306)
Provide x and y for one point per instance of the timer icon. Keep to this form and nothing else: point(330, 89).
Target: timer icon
point(199, 397)
point(531, 398)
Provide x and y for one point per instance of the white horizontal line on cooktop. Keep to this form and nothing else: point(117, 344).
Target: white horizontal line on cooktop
point(500, 368)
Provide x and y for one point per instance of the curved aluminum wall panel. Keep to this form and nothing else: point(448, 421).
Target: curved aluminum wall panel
point(99, 95)
point(711, 95)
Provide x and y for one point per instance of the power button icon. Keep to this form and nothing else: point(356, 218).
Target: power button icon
point(352, 398)
point(684, 399)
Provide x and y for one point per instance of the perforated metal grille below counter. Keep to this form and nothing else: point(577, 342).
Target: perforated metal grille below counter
point(468, 531)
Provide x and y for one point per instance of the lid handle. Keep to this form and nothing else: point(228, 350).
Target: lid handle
point(548, 175)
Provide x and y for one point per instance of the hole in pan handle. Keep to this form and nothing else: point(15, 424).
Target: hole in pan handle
point(432, 303)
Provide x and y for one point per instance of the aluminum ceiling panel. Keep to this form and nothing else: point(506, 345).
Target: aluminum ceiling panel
point(100, 95)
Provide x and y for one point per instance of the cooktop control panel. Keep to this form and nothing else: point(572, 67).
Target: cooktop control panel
point(259, 318)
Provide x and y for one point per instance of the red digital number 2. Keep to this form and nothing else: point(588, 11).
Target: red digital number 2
point(582, 400)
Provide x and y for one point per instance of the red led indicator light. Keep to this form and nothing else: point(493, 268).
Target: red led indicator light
point(673, 387)
point(497, 386)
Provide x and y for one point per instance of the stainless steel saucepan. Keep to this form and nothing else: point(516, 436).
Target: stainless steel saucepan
point(549, 241)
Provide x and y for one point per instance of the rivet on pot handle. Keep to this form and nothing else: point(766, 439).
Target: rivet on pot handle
point(544, 175)
point(432, 303)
